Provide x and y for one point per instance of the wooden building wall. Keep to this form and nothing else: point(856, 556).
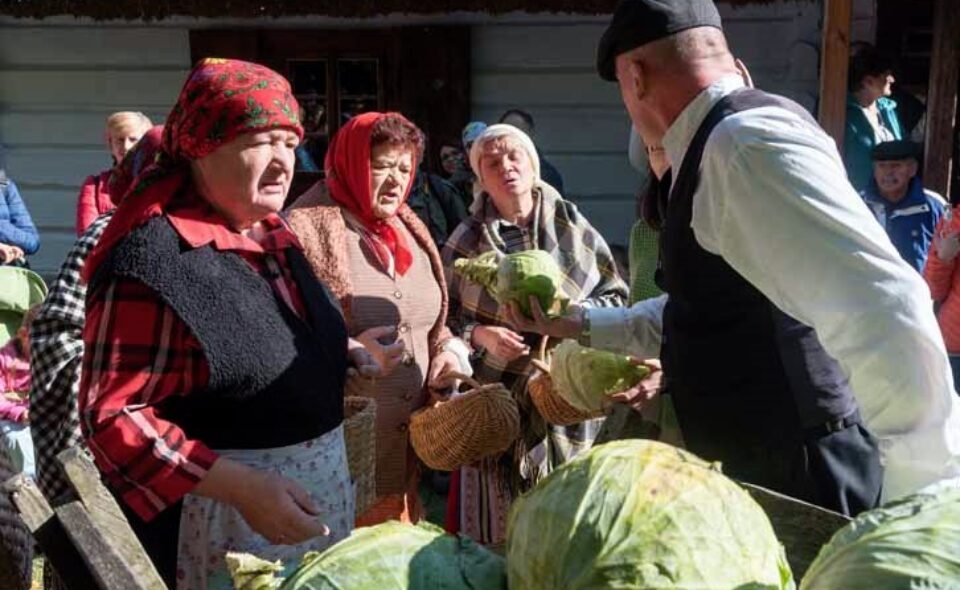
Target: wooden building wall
point(60, 77)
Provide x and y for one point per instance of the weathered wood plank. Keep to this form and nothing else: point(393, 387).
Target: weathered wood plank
point(58, 549)
point(573, 128)
point(543, 88)
point(64, 166)
point(145, 89)
point(69, 127)
point(106, 516)
point(942, 96)
point(802, 528)
point(101, 556)
point(834, 62)
point(85, 46)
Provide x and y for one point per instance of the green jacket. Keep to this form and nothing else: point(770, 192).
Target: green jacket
point(859, 139)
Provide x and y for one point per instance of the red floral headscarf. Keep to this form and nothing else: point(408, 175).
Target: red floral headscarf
point(347, 166)
point(221, 100)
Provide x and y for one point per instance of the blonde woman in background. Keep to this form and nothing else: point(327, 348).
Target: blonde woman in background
point(124, 129)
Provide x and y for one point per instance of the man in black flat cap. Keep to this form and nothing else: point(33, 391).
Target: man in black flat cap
point(908, 212)
point(800, 349)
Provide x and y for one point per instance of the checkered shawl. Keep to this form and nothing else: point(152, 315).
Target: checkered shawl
point(56, 348)
point(589, 272)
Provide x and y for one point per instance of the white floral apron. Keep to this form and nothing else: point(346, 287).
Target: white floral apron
point(209, 529)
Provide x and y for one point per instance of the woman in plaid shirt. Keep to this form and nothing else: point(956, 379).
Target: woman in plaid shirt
point(204, 323)
point(514, 211)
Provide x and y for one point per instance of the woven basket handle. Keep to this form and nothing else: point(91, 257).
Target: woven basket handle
point(540, 361)
point(473, 383)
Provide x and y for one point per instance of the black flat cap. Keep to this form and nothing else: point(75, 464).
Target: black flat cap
point(638, 22)
point(900, 149)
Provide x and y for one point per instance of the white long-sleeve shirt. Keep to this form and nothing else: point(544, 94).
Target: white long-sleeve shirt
point(774, 202)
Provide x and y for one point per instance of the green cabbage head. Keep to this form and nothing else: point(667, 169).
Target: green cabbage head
point(639, 514)
point(913, 543)
point(584, 377)
point(395, 556)
point(515, 277)
point(522, 274)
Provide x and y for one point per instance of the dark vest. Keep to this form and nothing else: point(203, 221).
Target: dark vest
point(738, 367)
point(274, 379)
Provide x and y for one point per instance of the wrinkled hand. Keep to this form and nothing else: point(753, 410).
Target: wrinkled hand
point(441, 365)
point(362, 362)
point(278, 508)
point(387, 356)
point(638, 395)
point(500, 342)
point(947, 246)
point(568, 325)
point(9, 253)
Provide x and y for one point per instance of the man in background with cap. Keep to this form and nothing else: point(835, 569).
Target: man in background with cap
point(800, 349)
point(908, 212)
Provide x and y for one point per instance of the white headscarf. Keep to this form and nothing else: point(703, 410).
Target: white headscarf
point(495, 132)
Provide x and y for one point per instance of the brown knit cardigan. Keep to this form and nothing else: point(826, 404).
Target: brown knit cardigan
point(318, 222)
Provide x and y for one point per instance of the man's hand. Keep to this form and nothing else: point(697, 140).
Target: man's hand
point(387, 356)
point(644, 391)
point(947, 246)
point(501, 342)
point(568, 325)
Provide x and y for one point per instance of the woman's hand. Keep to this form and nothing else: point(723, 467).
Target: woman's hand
point(387, 356)
point(274, 506)
point(568, 325)
point(638, 395)
point(9, 253)
point(362, 362)
point(947, 246)
point(500, 342)
point(441, 365)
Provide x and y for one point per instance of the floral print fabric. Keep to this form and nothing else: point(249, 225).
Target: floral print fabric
point(209, 529)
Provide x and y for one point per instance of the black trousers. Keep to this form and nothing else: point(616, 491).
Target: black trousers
point(839, 471)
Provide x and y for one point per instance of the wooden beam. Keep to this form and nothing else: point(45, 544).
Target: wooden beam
point(802, 527)
point(942, 96)
point(834, 61)
point(58, 550)
point(105, 515)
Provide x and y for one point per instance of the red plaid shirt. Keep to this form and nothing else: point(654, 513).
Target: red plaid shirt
point(139, 352)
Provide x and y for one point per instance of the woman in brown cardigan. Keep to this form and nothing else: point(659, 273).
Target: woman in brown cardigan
point(379, 260)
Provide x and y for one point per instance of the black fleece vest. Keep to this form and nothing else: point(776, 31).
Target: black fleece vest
point(274, 379)
point(734, 362)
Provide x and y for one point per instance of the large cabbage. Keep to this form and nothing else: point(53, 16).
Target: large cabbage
point(912, 543)
point(640, 514)
point(395, 556)
point(515, 277)
point(585, 377)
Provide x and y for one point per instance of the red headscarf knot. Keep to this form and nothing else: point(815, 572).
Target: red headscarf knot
point(347, 166)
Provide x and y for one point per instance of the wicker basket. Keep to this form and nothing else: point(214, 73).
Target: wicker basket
point(466, 428)
point(551, 406)
point(360, 434)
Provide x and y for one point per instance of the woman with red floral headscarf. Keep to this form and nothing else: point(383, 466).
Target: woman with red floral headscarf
point(381, 263)
point(214, 364)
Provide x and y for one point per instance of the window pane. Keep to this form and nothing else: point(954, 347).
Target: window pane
point(309, 81)
point(359, 86)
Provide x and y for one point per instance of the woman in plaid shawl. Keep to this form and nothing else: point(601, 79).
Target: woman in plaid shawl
point(514, 210)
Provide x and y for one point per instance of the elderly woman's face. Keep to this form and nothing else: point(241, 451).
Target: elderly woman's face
point(122, 140)
point(248, 178)
point(506, 169)
point(391, 169)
